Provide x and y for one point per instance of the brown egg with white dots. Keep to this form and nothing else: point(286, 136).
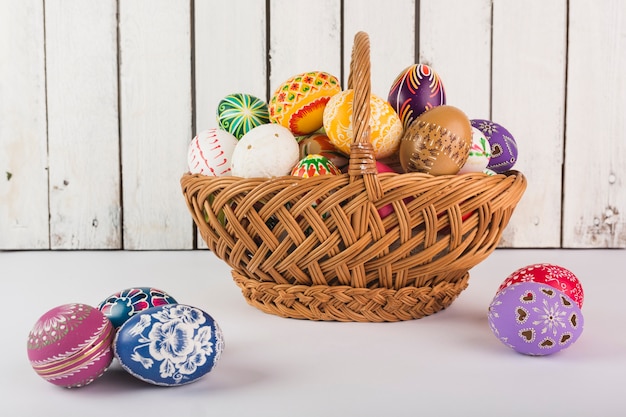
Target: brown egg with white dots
point(437, 142)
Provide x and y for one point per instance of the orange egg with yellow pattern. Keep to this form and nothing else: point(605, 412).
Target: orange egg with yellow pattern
point(298, 104)
point(385, 125)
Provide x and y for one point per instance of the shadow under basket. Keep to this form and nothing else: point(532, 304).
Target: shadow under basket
point(320, 248)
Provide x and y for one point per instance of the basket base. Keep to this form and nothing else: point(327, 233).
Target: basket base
point(348, 304)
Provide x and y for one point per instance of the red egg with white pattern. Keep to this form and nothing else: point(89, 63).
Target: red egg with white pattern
point(556, 276)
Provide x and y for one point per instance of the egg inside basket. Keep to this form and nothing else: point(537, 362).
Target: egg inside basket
point(317, 248)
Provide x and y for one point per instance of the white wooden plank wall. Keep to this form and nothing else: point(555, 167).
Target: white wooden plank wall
point(156, 95)
point(391, 27)
point(83, 145)
point(528, 90)
point(455, 39)
point(594, 206)
point(99, 99)
point(23, 141)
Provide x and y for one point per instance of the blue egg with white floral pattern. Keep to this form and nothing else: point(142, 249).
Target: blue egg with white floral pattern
point(169, 345)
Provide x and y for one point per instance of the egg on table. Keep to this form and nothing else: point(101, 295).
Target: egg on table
point(239, 113)
point(210, 153)
point(416, 89)
point(556, 276)
point(535, 319)
point(298, 103)
point(269, 150)
point(437, 142)
point(70, 345)
point(169, 345)
point(120, 306)
point(385, 125)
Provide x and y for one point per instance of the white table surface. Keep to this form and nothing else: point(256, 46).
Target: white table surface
point(448, 364)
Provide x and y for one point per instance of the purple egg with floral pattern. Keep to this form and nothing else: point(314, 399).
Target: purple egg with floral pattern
point(503, 145)
point(535, 319)
point(416, 89)
point(70, 345)
point(169, 345)
point(120, 306)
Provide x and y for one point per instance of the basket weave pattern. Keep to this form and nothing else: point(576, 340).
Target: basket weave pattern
point(317, 248)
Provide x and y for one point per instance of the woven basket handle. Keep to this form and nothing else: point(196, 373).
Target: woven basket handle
point(362, 160)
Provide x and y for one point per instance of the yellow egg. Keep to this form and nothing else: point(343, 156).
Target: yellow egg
point(385, 125)
point(298, 104)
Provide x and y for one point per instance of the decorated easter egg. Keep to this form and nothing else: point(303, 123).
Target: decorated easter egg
point(437, 142)
point(172, 344)
point(70, 345)
point(416, 89)
point(268, 150)
point(535, 319)
point(313, 165)
point(239, 113)
point(120, 306)
point(393, 162)
point(489, 172)
point(385, 125)
point(503, 145)
point(479, 153)
point(385, 210)
point(210, 153)
point(319, 143)
point(298, 103)
point(556, 276)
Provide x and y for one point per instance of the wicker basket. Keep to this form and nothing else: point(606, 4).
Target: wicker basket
point(316, 248)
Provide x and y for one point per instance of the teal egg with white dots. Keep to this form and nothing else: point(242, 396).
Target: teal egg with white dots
point(239, 113)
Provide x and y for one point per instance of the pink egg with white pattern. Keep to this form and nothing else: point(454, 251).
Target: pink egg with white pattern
point(71, 345)
point(210, 153)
